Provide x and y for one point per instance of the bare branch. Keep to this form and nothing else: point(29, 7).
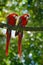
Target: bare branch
point(2, 25)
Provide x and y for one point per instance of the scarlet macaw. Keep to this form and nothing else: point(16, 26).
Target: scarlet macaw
point(11, 20)
point(22, 22)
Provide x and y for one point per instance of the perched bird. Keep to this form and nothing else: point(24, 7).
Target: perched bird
point(23, 20)
point(11, 20)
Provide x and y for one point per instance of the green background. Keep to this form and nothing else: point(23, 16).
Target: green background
point(32, 42)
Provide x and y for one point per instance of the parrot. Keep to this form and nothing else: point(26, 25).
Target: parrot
point(23, 19)
point(11, 20)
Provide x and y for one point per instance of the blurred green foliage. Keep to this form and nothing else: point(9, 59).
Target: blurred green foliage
point(32, 42)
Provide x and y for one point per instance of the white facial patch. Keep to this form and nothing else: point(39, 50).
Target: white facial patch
point(15, 16)
point(27, 17)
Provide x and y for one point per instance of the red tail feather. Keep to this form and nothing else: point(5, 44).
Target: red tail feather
point(7, 42)
point(19, 45)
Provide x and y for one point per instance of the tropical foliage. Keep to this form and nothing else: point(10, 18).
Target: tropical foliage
point(32, 42)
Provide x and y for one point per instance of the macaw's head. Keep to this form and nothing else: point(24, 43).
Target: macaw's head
point(26, 16)
point(11, 18)
point(15, 16)
point(24, 19)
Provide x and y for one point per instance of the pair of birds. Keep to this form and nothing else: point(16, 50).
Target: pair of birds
point(11, 20)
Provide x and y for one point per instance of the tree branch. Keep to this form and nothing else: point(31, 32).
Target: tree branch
point(2, 25)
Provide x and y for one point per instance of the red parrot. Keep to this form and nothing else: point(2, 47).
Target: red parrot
point(22, 22)
point(11, 20)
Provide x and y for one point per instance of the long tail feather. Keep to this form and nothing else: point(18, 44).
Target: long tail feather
point(19, 45)
point(8, 41)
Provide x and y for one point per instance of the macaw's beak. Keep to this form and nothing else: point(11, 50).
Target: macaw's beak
point(16, 17)
point(28, 17)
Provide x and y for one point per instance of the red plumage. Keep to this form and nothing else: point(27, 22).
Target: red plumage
point(19, 44)
point(8, 33)
point(11, 20)
point(22, 22)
